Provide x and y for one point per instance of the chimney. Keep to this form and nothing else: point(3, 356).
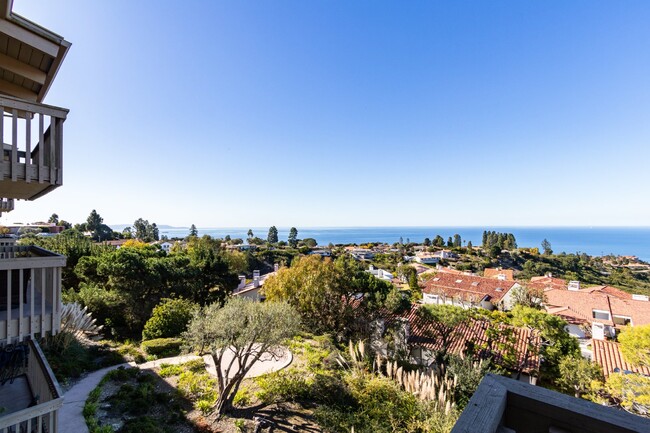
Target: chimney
point(256, 282)
point(574, 286)
point(242, 281)
point(371, 268)
point(276, 267)
point(549, 275)
point(256, 274)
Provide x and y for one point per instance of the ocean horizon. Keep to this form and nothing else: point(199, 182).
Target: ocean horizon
point(595, 241)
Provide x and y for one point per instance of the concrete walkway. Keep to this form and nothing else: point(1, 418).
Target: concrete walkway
point(71, 417)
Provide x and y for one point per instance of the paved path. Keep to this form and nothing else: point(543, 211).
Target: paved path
point(71, 417)
point(71, 414)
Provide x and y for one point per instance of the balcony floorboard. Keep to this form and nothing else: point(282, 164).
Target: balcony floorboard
point(15, 396)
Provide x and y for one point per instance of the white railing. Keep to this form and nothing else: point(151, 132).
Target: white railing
point(41, 417)
point(30, 292)
point(31, 136)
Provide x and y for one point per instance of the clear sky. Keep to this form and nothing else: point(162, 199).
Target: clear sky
point(351, 113)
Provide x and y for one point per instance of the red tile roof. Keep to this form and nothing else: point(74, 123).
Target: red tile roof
point(547, 282)
point(613, 291)
point(423, 332)
point(608, 355)
point(495, 272)
point(468, 287)
point(582, 303)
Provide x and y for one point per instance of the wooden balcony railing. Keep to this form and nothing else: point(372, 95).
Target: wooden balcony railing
point(30, 292)
point(31, 136)
point(45, 390)
point(6, 205)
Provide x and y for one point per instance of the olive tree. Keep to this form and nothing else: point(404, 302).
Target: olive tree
point(236, 336)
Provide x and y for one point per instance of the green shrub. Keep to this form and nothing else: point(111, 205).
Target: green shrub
point(204, 406)
point(167, 370)
point(285, 385)
point(198, 386)
point(242, 398)
point(162, 347)
point(169, 319)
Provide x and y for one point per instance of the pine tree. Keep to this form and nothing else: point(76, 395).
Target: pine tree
point(293, 237)
point(193, 230)
point(272, 237)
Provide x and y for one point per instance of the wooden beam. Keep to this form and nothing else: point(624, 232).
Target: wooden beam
point(12, 89)
point(22, 69)
point(54, 69)
point(26, 37)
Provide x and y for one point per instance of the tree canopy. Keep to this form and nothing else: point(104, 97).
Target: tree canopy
point(244, 330)
point(635, 344)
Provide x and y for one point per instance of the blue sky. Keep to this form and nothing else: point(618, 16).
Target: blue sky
point(323, 113)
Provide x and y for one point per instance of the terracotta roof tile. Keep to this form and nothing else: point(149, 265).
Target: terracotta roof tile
point(423, 333)
point(583, 303)
point(468, 287)
point(608, 355)
point(495, 272)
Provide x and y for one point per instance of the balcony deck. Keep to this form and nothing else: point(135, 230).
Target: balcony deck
point(31, 136)
point(32, 401)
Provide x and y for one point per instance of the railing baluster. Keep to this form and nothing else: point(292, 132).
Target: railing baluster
point(28, 147)
point(41, 147)
point(8, 306)
point(20, 305)
point(31, 301)
point(14, 144)
point(42, 302)
point(53, 272)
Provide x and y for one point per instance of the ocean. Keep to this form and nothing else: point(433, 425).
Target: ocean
point(597, 241)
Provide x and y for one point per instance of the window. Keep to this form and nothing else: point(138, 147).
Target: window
point(622, 320)
point(600, 315)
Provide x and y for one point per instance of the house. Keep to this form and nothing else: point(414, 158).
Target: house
point(423, 342)
point(596, 312)
point(547, 281)
point(166, 246)
point(426, 258)
point(321, 252)
point(469, 291)
point(502, 405)
point(445, 254)
point(499, 274)
point(362, 254)
point(31, 166)
point(116, 243)
point(252, 290)
point(380, 273)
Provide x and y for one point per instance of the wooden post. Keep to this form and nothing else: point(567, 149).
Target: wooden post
point(52, 149)
point(59, 151)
